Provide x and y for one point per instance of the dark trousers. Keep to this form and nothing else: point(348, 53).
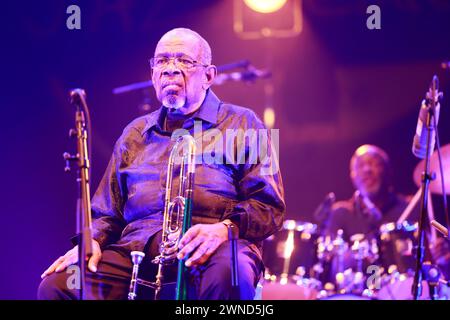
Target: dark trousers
point(211, 281)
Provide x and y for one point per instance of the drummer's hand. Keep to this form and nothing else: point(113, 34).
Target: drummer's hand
point(440, 251)
point(201, 241)
point(71, 257)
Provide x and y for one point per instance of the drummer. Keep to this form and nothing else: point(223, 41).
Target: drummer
point(374, 201)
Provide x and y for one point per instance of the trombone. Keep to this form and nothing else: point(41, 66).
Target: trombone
point(177, 220)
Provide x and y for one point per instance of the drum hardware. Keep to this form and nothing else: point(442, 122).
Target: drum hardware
point(341, 246)
point(364, 249)
point(292, 247)
point(345, 281)
point(288, 248)
point(349, 282)
point(288, 257)
point(341, 264)
point(431, 274)
point(397, 245)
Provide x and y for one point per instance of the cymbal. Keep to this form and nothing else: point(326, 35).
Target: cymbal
point(435, 185)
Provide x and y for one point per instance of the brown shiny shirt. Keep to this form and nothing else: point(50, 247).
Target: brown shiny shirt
point(128, 205)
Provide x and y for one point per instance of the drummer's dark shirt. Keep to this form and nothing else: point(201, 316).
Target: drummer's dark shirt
point(353, 217)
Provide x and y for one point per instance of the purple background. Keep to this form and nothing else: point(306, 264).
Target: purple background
point(337, 85)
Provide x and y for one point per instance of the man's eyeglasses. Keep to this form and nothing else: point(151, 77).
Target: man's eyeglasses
point(183, 62)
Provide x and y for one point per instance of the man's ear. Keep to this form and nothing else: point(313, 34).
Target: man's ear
point(210, 72)
point(152, 73)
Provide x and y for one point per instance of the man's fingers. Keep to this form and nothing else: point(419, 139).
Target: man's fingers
point(93, 262)
point(189, 235)
point(202, 254)
point(68, 260)
point(190, 247)
point(71, 257)
point(53, 267)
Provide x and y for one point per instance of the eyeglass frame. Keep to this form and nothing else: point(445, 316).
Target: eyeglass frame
point(174, 58)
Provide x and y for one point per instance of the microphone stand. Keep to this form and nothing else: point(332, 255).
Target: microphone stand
point(426, 178)
point(84, 232)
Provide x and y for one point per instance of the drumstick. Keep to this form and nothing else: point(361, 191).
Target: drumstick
point(439, 227)
point(409, 208)
point(433, 235)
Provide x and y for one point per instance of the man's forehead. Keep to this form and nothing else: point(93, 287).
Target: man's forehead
point(369, 156)
point(178, 45)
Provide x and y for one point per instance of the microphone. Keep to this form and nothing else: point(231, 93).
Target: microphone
point(419, 146)
point(369, 207)
point(323, 209)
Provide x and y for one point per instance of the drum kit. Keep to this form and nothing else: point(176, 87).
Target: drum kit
point(304, 264)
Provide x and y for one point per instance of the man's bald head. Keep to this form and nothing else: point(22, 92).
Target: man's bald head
point(369, 149)
point(185, 34)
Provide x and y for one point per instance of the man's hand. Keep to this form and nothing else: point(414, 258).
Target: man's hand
point(204, 239)
point(71, 257)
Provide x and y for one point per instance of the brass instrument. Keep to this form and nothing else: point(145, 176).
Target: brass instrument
point(177, 220)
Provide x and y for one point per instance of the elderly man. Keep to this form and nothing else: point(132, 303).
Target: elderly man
point(128, 204)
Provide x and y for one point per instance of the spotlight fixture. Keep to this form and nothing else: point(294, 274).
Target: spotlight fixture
point(265, 6)
point(256, 19)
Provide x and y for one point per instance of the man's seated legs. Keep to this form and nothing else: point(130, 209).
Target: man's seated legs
point(110, 282)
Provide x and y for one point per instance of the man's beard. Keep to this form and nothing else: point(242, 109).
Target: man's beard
point(173, 101)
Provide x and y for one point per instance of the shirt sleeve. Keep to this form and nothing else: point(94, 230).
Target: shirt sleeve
point(108, 202)
point(261, 206)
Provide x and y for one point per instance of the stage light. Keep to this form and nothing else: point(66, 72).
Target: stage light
point(258, 19)
point(265, 6)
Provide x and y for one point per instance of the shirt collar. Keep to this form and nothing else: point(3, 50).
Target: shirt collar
point(208, 111)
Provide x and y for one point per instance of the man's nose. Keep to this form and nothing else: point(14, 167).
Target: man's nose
point(171, 69)
point(367, 168)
